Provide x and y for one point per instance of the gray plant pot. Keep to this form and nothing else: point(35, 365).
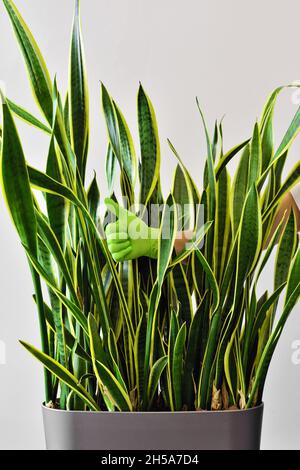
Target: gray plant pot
point(204, 430)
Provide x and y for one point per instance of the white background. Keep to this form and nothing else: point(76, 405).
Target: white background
point(232, 54)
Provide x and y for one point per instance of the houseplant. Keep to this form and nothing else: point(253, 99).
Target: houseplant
point(169, 347)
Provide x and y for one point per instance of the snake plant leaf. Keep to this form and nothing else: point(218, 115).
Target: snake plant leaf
point(45, 258)
point(113, 347)
point(177, 366)
point(267, 141)
point(150, 147)
point(57, 208)
point(221, 135)
point(154, 378)
point(70, 340)
point(277, 172)
point(46, 184)
point(98, 356)
point(249, 321)
point(261, 316)
point(292, 179)
point(126, 188)
point(78, 93)
point(167, 235)
point(240, 376)
point(196, 242)
point(173, 333)
point(110, 167)
point(210, 173)
point(107, 381)
point(228, 365)
point(183, 294)
point(248, 248)
point(227, 284)
point(139, 356)
point(126, 279)
point(43, 182)
point(111, 122)
point(271, 101)
point(293, 277)
point(282, 150)
point(27, 117)
point(269, 105)
point(272, 243)
point(203, 397)
point(289, 136)
point(211, 280)
point(229, 156)
point(255, 161)
point(127, 150)
point(79, 368)
point(15, 183)
point(18, 196)
point(73, 308)
point(191, 366)
point(118, 375)
point(121, 145)
point(63, 375)
point(115, 360)
point(285, 251)
point(215, 141)
point(222, 333)
point(93, 196)
point(38, 73)
point(267, 197)
point(183, 198)
point(53, 246)
point(210, 187)
point(249, 241)
point(192, 188)
point(150, 331)
point(98, 351)
point(263, 366)
point(196, 274)
point(61, 131)
point(223, 223)
point(239, 189)
point(66, 116)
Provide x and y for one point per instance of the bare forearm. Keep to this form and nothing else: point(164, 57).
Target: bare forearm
point(286, 206)
point(182, 239)
point(297, 211)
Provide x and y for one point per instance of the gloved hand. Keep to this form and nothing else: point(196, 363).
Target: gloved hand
point(129, 237)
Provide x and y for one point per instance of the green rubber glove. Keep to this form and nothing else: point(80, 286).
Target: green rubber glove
point(129, 237)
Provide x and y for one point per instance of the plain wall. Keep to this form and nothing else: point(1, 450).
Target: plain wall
point(231, 54)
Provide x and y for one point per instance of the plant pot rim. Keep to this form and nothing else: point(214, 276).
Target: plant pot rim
point(159, 413)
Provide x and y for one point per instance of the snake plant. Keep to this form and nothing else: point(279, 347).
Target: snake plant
point(183, 332)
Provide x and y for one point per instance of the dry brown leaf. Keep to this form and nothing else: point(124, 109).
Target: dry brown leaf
point(216, 402)
point(225, 397)
point(242, 402)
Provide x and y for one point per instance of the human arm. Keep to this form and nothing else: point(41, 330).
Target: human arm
point(288, 203)
point(130, 238)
